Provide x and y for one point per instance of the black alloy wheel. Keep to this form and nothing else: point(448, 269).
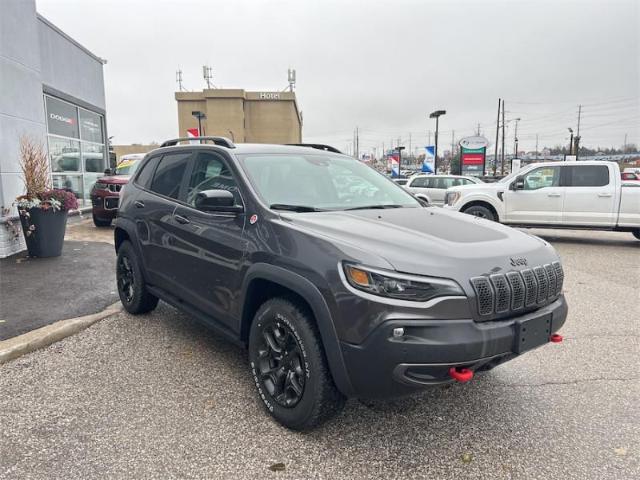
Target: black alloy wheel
point(280, 365)
point(126, 278)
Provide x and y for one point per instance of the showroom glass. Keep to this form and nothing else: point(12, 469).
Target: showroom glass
point(77, 150)
point(587, 176)
point(542, 177)
point(210, 173)
point(168, 177)
point(322, 181)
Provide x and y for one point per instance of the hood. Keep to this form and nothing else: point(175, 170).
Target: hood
point(115, 179)
point(429, 241)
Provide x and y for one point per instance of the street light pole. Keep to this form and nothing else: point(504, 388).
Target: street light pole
point(515, 140)
point(199, 115)
point(399, 148)
point(571, 142)
point(436, 115)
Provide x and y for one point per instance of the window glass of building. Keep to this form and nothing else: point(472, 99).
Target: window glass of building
point(62, 118)
point(91, 126)
point(64, 155)
point(587, 176)
point(170, 173)
point(211, 173)
point(93, 157)
point(542, 177)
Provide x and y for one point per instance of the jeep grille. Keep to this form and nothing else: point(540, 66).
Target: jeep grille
point(500, 294)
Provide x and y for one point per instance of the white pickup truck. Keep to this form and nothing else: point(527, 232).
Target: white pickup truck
point(580, 195)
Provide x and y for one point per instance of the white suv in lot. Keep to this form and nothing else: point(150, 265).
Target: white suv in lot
point(432, 188)
point(580, 195)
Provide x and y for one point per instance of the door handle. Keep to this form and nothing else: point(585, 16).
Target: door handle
point(181, 219)
point(139, 204)
point(554, 195)
point(605, 194)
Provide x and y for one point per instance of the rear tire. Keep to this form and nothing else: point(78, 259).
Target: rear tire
point(289, 366)
point(636, 233)
point(101, 222)
point(480, 211)
point(132, 288)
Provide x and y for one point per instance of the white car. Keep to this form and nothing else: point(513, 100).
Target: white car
point(432, 188)
point(584, 194)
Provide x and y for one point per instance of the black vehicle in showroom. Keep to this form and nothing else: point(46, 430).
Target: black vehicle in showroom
point(336, 293)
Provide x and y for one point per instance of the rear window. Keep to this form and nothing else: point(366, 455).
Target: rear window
point(144, 177)
point(587, 176)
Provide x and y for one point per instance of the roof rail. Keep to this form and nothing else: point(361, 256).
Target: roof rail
point(317, 146)
point(221, 141)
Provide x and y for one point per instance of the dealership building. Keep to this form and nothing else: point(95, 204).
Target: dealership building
point(51, 90)
point(245, 117)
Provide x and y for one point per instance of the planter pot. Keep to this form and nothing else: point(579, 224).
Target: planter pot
point(47, 231)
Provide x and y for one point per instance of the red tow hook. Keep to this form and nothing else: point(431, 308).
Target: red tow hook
point(461, 374)
point(556, 338)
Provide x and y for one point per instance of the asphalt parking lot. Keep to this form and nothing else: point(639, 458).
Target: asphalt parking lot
point(158, 396)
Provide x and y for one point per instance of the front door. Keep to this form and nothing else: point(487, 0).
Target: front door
point(540, 202)
point(211, 245)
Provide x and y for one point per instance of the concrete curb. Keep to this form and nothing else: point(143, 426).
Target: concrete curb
point(22, 344)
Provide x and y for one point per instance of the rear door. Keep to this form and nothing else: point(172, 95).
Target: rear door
point(540, 202)
point(590, 195)
point(154, 213)
point(210, 245)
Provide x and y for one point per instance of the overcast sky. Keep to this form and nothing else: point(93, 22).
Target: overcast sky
point(379, 65)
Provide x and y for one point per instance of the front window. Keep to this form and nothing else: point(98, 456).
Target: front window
point(322, 182)
point(541, 178)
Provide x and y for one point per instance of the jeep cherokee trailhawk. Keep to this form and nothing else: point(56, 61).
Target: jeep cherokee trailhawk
point(336, 292)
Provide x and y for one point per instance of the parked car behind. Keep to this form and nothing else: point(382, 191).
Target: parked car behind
point(630, 177)
point(433, 187)
point(105, 194)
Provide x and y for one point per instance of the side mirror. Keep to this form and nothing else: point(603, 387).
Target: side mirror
point(107, 171)
point(217, 201)
point(518, 184)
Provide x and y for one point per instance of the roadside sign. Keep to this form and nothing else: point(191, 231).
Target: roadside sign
point(516, 165)
point(474, 143)
point(429, 159)
point(472, 161)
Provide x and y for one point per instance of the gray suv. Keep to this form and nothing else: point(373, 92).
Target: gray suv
point(336, 292)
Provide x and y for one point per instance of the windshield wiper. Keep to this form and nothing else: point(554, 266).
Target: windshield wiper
point(376, 207)
point(294, 208)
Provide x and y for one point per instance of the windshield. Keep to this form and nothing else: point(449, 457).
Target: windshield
point(127, 167)
point(321, 182)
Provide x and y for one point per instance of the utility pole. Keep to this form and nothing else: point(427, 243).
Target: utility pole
point(502, 157)
point(495, 159)
point(536, 147)
point(578, 132)
point(357, 143)
point(410, 151)
point(571, 141)
point(624, 146)
point(478, 131)
point(515, 140)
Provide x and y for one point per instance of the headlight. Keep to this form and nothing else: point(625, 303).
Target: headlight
point(100, 186)
point(451, 197)
point(399, 286)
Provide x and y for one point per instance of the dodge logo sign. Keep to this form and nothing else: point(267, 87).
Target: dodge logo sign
point(60, 118)
point(518, 262)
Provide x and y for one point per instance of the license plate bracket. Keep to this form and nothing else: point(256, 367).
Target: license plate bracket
point(532, 333)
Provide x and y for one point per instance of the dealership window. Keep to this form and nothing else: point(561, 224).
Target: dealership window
point(77, 149)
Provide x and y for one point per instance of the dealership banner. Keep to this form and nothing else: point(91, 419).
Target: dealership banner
point(473, 153)
point(394, 164)
point(429, 163)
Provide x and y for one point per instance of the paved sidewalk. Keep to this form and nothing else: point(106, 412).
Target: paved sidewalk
point(39, 291)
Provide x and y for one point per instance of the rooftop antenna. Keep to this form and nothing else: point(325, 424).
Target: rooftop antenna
point(291, 75)
point(179, 80)
point(207, 74)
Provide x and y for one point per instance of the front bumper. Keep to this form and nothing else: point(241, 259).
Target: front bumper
point(387, 366)
point(105, 205)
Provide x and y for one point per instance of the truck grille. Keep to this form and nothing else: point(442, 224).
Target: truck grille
point(499, 294)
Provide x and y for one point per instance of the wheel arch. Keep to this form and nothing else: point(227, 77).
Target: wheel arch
point(264, 281)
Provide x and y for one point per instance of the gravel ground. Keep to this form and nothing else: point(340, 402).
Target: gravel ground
point(158, 396)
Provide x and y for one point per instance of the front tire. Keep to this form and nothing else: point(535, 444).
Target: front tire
point(289, 366)
point(480, 211)
point(132, 288)
point(636, 233)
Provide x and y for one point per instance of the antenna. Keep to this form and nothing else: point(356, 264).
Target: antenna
point(179, 80)
point(291, 76)
point(207, 74)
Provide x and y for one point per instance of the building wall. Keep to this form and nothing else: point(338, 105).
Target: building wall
point(35, 57)
point(260, 117)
